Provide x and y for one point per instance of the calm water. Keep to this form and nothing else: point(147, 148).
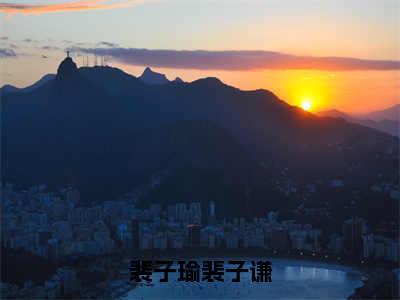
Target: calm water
point(291, 279)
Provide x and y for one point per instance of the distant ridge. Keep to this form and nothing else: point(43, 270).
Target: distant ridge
point(386, 125)
point(391, 113)
point(334, 113)
point(12, 89)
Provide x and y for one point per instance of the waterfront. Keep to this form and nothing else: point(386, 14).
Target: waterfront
point(296, 279)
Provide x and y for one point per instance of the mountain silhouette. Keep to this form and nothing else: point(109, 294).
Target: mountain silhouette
point(386, 125)
point(153, 78)
point(104, 131)
point(392, 113)
point(178, 80)
point(11, 89)
point(335, 114)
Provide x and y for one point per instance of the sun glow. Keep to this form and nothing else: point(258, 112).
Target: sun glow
point(309, 90)
point(306, 104)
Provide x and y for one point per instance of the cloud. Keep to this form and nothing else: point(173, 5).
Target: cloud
point(4, 53)
point(235, 60)
point(28, 40)
point(49, 48)
point(79, 44)
point(64, 6)
point(108, 44)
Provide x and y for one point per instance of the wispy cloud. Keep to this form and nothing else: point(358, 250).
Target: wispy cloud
point(28, 40)
point(49, 48)
point(5, 52)
point(108, 44)
point(235, 60)
point(65, 6)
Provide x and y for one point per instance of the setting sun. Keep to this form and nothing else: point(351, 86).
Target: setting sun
point(306, 105)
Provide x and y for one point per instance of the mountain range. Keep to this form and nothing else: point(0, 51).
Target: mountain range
point(105, 131)
point(387, 120)
point(12, 89)
point(391, 113)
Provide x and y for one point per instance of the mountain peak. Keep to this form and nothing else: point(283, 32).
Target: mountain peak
point(178, 80)
point(67, 68)
point(153, 78)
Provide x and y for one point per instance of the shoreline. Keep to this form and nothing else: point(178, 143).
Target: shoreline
point(298, 261)
point(261, 253)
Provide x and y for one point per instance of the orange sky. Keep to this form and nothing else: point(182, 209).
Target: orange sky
point(351, 91)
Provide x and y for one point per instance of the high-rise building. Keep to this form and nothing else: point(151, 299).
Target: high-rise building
point(122, 230)
point(195, 212)
point(211, 213)
point(368, 245)
point(194, 235)
point(352, 236)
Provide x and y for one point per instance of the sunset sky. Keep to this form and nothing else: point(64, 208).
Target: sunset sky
point(336, 54)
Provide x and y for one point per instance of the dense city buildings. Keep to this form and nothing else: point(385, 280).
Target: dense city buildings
point(56, 226)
